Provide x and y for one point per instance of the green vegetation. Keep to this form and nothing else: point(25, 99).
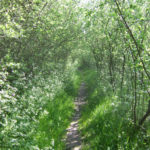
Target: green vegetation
point(48, 47)
point(37, 116)
point(53, 122)
point(105, 121)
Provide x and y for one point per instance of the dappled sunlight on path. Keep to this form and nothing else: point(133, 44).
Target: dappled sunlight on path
point(73, 141)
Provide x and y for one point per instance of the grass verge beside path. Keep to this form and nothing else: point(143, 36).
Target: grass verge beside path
point(105, 123)
point(57, 116)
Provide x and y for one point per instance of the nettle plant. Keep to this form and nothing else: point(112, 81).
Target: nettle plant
point(7, 100)
point(23, 102)
point(12, 80)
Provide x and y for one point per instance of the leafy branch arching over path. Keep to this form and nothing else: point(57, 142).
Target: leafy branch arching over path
point(46, 46)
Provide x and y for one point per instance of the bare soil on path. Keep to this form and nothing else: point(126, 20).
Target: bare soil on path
point(73, 141)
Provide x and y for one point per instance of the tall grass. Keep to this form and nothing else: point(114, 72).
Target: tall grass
point(34, 113)
point(54, 121)
point(106, 123)
point(56, 117)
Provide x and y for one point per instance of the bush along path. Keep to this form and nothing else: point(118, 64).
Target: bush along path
point(73, 140)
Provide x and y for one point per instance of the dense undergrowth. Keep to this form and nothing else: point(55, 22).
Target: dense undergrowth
point(56, 117)
point(43, 45)
point(105, 123)
point(35, 112)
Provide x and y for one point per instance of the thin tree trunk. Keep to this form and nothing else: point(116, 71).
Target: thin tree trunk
point(133, 38)
point(135, 95)
point(145, 116)
point(123, 69)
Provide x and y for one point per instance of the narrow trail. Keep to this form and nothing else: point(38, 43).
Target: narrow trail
point(73, 141)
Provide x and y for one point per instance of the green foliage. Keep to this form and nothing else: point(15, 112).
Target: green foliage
point(106, 123)
point(53, 122)
point(117, 34)
point(25, 104)
point(36, 39)
point(56, 116)
point(72, 85)
point(48, 47)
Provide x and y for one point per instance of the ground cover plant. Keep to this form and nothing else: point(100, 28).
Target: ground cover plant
point(106, 123)
point(49, 48)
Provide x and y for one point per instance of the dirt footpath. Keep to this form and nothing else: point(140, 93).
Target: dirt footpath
point(73, 141)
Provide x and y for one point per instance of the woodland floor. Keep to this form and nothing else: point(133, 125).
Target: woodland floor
point(73, 141)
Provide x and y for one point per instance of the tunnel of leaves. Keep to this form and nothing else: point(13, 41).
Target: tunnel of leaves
point(48, 47)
